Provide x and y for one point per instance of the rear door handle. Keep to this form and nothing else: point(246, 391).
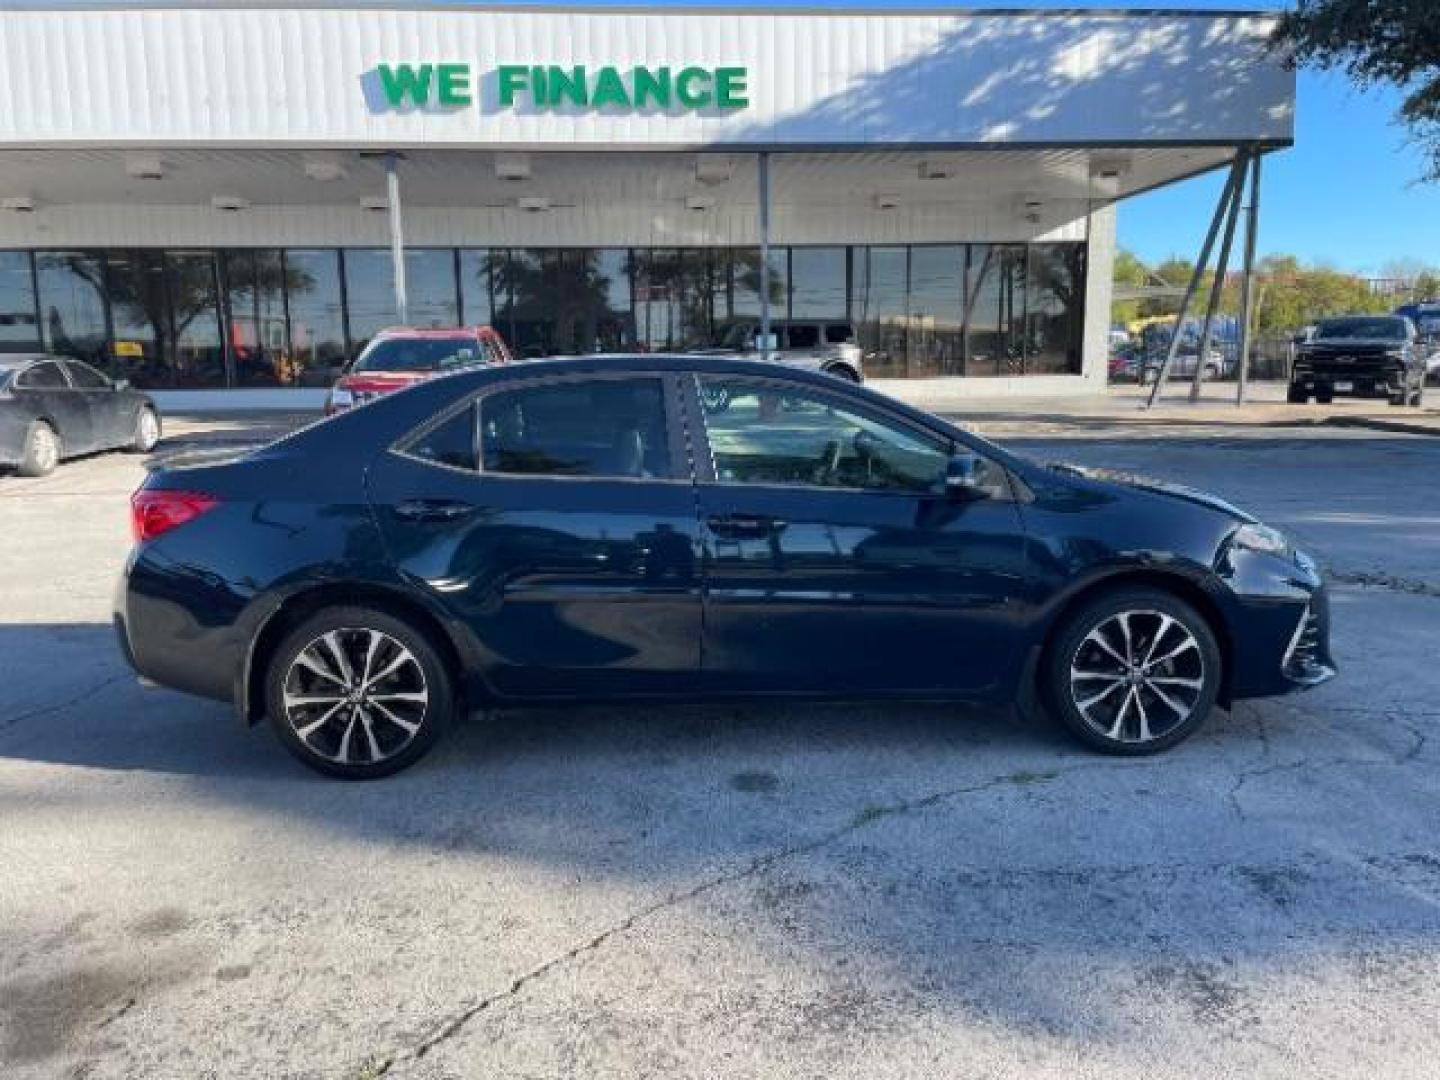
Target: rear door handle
point(433, 509)
point(736, 526)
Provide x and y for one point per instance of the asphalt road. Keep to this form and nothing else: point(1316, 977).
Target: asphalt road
point(759, 892)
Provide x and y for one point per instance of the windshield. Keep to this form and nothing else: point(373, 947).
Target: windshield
point(419, 354)
point(1353, 329)
point(736, 336)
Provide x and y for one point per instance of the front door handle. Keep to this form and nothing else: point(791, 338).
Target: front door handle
point(433, 509)
point(740, 526)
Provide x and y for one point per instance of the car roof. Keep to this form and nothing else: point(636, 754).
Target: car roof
point(16, 361)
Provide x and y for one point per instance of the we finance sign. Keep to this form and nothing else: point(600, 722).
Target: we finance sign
point(551, 87)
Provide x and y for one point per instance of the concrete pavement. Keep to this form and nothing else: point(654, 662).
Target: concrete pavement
point(751, 892)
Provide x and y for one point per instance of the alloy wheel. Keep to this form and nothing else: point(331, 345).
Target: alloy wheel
point(149, 433)
point(355, 696)
point(1137, 676)
point(47, 448)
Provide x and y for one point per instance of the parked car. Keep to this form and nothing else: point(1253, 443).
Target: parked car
point(1360, 356)
point(52, 408)
point(587, 530)
point(403, 356)
point(1217, 365)
point(827, 345)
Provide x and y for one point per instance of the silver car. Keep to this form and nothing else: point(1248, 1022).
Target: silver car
point(826, 345)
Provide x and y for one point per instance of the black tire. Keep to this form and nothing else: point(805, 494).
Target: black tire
point(1296, 396)
point(1160, 623)
point(316, 734)
point(43, 450)
point(144, 438)
point(1324, 397)
point(1398, 400)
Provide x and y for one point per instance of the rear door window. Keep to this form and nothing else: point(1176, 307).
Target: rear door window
point(804, 337)
point(577, 427)
point(452, 442)
point(46, 376)
point(86, 377)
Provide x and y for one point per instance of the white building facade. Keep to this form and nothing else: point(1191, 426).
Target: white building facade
point(237, 197)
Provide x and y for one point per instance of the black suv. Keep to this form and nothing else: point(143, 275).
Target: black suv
point(1360, 356)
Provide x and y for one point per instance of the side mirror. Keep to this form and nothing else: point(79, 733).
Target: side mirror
point(962, 476)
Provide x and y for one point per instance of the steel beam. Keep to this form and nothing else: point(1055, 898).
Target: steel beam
point(1247, 295)
point(1217, 285)
point(765, 252)
point(397, 237)
point(1195, 279)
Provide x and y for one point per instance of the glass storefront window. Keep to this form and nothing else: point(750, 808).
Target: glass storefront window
point(369, 295)
point(140, 312)
point(430, 289)
point(1055, 309)
point(476, 307)
point(72, 304)
point(611, 325)
point(676, 298)
point(995, 310)
point(199, 350)
point(878, 308)
point(317, 319)
point(817, 283)
point(19, 329)
point(936, 319)
point(255, 332)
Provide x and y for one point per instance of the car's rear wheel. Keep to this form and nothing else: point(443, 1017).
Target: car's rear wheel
point(1133, 672)
point(357, 693)
point(42, 450)
point(147, 431)
point(1296, 396)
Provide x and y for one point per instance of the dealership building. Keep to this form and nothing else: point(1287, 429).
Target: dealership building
point(225, 202)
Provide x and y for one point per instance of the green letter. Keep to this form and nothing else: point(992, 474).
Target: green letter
point(454, 84)
point(652, 87)
point(730, 88)
point(566, 84)
point(609, 90)
point(690, 98)
point(404, 81)
point(512, 81)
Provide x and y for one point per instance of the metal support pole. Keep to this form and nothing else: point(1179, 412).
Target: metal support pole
point(1217, 286)
point(397, 237)
point(1195, 279)
point(1247, 297)
point(765, 253)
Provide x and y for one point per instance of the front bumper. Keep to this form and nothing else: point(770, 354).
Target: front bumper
point(1307, 661)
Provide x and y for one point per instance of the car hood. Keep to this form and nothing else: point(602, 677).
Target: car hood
point(1153, 486)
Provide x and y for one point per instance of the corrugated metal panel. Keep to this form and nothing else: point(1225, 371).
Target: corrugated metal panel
point(299, 77)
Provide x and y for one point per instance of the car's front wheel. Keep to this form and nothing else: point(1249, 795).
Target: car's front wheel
point(1133, 672)
point(357, 693)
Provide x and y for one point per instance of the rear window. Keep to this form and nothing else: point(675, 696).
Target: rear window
point(1360, 328)
point(839, 334)
point(804, 337)
point(420, 354)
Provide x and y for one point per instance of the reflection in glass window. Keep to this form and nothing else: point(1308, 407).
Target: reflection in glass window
point(761, 433)
point(995, 310)
point(317, 328)
point(817, 283)
point(1055, 310)
point(878, 308)
point(431, 298)
point(140, 312)
point(254, 285)
point(477, 267)
point(430, 293)
point(676, 298)
point(198, 352)
point(936, 343)
point(72, 304)
point(592, 427)
point(19, 331)
point(452, 442)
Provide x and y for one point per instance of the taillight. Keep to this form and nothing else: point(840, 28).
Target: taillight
point(154, 512)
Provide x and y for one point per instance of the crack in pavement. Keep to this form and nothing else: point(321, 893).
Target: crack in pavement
point(45, 710)
point(1365, 579)
point(380, 1065)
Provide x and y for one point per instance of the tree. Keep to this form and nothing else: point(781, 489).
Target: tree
point(1426, 285)
point(1375, 41)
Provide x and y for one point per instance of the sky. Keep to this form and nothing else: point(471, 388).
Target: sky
point(1346, 195)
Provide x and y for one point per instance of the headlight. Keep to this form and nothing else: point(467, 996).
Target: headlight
point(1261, 538)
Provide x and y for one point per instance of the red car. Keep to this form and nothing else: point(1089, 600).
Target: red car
point(403, 356)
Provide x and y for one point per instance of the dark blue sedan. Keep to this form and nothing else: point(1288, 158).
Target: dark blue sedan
point(662, 528)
